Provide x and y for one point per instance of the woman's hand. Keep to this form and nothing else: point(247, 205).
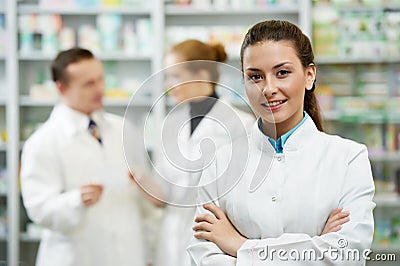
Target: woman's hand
point(335, 221)
point(219, 230)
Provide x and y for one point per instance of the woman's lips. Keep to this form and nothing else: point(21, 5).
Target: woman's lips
point(274, 105)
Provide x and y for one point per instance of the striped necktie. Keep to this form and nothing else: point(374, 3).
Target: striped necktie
point(94, 130)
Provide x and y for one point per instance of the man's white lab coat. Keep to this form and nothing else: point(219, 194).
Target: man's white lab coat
point(57, 160)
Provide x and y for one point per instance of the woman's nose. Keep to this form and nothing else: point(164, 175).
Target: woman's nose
point(269, 88)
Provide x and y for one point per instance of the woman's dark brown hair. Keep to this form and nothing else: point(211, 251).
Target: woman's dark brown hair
point(279, 30)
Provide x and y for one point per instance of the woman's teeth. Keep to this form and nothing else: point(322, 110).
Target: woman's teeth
point(273, 104)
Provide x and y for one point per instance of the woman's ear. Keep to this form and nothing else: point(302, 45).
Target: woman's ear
point(311, 72)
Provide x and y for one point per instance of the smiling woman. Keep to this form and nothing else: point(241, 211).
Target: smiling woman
point(276, 87)
point(302, 189)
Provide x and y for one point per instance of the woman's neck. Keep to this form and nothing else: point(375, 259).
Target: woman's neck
point(276, 130)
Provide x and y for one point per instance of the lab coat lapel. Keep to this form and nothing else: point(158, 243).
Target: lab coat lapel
point(206, 127)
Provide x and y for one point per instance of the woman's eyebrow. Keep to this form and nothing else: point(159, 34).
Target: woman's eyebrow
point(252, 69)
point(274, 67)
point(281, 64)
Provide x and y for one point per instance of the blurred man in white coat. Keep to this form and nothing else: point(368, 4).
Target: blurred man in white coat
point(74, 177)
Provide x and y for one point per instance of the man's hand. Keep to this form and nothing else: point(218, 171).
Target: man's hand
point(91, 194)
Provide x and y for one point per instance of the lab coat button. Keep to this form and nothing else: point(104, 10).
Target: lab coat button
point(279, 159)
point(273, 199)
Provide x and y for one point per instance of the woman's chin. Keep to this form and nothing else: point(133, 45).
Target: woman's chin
point(267, 117)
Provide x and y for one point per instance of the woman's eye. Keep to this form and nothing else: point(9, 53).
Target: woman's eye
point(283, 73)
point(255, 77)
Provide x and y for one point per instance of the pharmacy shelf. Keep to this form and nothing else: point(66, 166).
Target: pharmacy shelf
point(124, 57)
point(387, 200)
point(357, 117)
point(394, 118)
point(192, 11)
point(3, 147)
point(104, 57)
point(366, 7)
point(116, 102)
point(366, 117)
point(145, 103)
point(348, 60)
point(331, 115)
point(385, 248)
point(33, 9)
point(386, 157)
point(359, 8)
point(24, 237)
point(25, 101)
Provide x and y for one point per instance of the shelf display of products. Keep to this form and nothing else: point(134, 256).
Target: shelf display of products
point(4, 205)
point(112, 33)
point(3, 222)
point(45, 91)
point(368, 92)
point(387, 232)
point(392, 138)
point(120, 33)
point(3, 37)
point(357, 46)
point(88, 3)
point(366, 105)
point(230, 36)
point(358, 31)
point(3, 182)
point(387, 220)
point(234, 4)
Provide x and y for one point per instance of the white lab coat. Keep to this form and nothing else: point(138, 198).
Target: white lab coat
point(176, 231)
point(57, 160)
point(315, 174)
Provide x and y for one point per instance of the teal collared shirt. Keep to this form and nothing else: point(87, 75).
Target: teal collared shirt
point(280, 142)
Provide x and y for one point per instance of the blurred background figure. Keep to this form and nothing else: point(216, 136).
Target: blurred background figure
point(74, 177)
point(199, 114)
